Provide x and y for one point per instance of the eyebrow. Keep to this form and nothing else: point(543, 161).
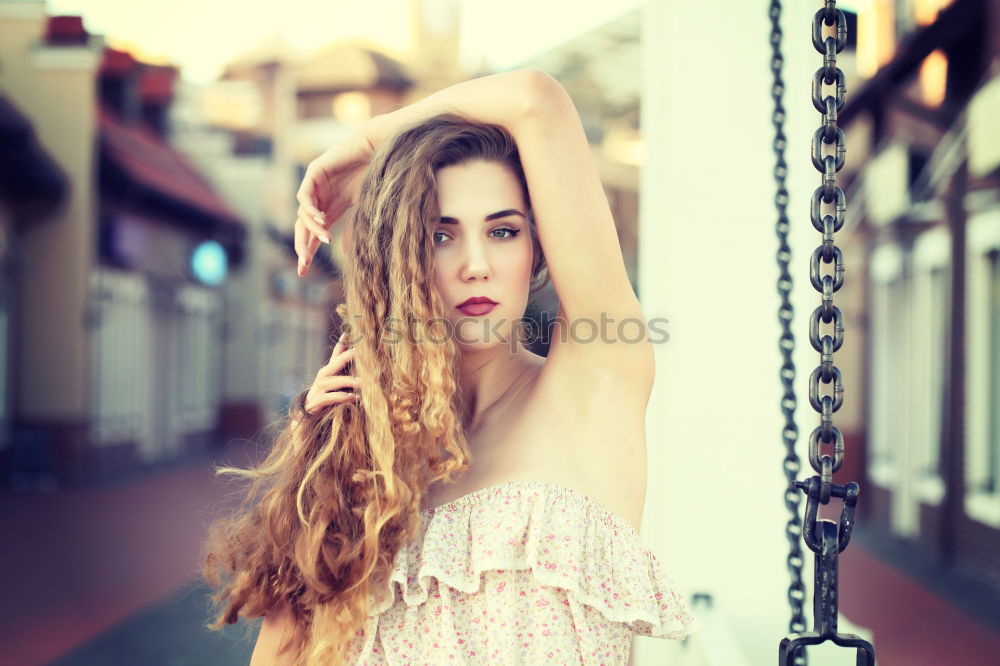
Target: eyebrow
point(492, 216)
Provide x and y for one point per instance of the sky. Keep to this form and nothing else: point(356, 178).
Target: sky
point(202, 35)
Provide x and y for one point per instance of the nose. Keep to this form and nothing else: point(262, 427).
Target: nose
point(475, 263)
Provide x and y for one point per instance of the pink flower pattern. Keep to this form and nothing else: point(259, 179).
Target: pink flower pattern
point(522, 572)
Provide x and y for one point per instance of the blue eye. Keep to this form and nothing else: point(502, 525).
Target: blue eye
point(511, 234)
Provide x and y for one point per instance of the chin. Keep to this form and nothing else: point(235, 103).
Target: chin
point(481, 333)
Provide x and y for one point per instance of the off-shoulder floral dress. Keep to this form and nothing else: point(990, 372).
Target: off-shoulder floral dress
point(522, 572)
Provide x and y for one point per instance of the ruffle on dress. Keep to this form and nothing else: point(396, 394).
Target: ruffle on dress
point(543, 535)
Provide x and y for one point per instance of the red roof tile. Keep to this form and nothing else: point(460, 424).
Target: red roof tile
point(156, 84)
point(66, 31)
point(116, 62)
point(147, 159)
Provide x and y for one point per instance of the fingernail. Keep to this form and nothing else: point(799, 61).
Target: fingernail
point(319, 220)
point(325, 239)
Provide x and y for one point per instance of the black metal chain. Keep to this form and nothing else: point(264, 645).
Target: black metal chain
point(827, 193)
point(786, 343)
point(825, 538)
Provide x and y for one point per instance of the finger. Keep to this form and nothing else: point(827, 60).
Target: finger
point(328, 399)
point(311, 248)
point(329, 367)
point(311, 226)
point(339, 348)
point(301, 239)
point(337, 364)
point(306, 195)
point(315, 227)
point(307, 249)
point(337, 383)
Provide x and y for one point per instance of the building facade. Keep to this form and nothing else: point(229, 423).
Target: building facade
point(115, 343)
point(929, 226)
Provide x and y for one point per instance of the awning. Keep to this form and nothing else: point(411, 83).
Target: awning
point(142, 157)
point(31, 182)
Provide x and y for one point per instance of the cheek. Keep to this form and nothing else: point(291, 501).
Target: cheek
point(521, 258)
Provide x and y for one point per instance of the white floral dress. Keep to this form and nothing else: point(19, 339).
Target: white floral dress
point(522, 572)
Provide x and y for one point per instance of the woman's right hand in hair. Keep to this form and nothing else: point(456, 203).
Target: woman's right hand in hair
point(330, 186)
point(330, 387)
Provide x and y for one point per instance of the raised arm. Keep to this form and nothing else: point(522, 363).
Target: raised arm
point(575, 225)
point(332, 180)
point(576, 228)
point(500, 99)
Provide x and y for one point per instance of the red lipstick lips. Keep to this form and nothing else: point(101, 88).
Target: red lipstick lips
point(476, 306)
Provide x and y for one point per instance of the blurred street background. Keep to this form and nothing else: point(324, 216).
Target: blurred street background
point(152, 323)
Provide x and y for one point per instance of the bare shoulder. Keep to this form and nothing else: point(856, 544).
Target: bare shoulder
point(277, 628)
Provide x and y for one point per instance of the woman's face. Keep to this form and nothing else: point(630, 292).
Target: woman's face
point(482, 248)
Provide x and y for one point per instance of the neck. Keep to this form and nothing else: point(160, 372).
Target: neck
point(486, 376)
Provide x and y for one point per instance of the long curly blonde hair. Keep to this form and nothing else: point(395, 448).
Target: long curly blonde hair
point(339, 493)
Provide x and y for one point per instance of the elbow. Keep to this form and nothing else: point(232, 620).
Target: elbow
point(542, 92)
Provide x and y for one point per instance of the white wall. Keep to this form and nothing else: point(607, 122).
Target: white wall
point(707, 247)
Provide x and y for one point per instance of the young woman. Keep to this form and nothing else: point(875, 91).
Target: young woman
point(440, 493)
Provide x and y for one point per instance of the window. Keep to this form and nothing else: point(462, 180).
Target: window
point(983, 370)
point(886, 419)
point(931, 310)
point(199, 356)
point(119, 391)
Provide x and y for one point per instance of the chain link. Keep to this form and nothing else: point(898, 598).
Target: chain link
point(826, 538)
point(786, 343)
point(828, 135)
